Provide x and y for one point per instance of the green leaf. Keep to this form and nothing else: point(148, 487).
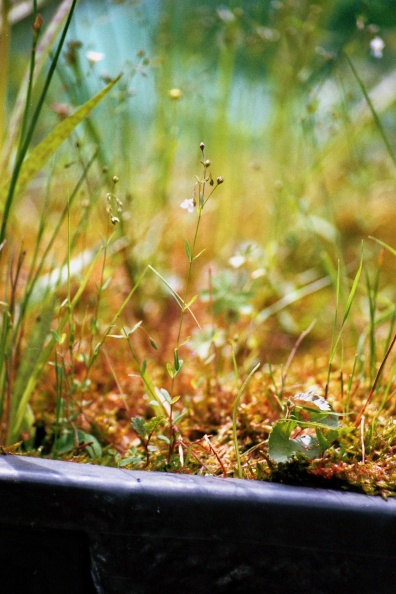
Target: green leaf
point(164, 438)
point(199, 254)
point(308, 446)
point(185, 341)
point(139, 426)
point(170, 370)
point(153, 424)
point(176, 359)
point(280, 447)
point(58, 338)
point(178, 417)
point(175, 295)
point(189, 304)
point(384, 245)
point(153, 343)
point(324, 443)
point(155, 404)
point(178, 370)
point(65, 443)
point(165, 394)
point(92, 445)
point(188, 250)
point(43, 151)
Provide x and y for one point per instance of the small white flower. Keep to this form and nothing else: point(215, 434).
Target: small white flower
point(188, 204)
point(94, 57)
point(237, 260)
point(377, 47)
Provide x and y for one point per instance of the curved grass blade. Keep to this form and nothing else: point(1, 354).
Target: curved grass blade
point(43, 151)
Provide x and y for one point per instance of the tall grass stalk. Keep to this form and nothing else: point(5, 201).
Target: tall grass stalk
point(25, 143)
point(234, 419)
point(376, 119)
point(375, 383)
point(4, 63)
point(336, 337)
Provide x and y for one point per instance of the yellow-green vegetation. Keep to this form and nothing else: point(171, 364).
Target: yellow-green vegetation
point(197, 237)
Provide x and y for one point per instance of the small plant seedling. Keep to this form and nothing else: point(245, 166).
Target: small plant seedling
point(309, 429)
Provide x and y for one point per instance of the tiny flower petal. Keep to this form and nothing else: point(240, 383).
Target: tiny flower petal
point(377, 47)
point(94, 57)
point(188, 204)
point(237, 260)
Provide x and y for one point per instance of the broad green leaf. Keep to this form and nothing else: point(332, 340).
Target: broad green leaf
point(92, 445)
point(65, 443)
point(307, 445)
point(43, 151)
point(280, 447)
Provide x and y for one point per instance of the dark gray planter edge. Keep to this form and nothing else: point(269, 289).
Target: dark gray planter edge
point(180, 524)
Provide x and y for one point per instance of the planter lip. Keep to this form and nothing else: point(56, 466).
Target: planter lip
point(107, 480)
point(164, 507)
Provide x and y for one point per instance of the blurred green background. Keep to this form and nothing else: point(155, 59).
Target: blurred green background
point(266, 85)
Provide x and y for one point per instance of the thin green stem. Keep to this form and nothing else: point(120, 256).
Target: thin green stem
point(37, 23)
point(4, 52)
point(234, 419)
point(372, 110)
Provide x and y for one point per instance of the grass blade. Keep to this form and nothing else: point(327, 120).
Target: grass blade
point(42, 152)
point(372, 109)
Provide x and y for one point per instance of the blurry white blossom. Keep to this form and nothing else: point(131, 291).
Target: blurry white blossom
point(237, 260)
point(377, 45)
point(94, 57)
point(188, 204)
